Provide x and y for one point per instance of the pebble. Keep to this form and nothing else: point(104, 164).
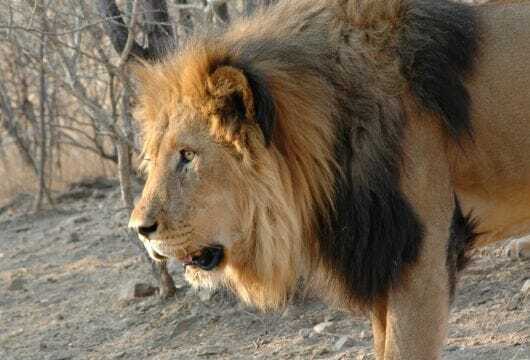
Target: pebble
point(16, 284)
point(99, 194)
point(74, 220)
point(144, 290)
point(343, 343)
point(81, 219)
point(212, 351)
point(334, 316)
point(135, 290)
point(324, 326)
point(73, 237)
point(364, 335)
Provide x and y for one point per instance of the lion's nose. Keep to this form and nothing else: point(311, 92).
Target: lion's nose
point(147, 230)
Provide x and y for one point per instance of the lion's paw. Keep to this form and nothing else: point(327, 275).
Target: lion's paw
point(518, 248)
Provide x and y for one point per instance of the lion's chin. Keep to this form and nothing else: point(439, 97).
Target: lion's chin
point(198, 278)
point(154, 254)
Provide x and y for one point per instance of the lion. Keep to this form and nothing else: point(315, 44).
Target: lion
point(362, 147)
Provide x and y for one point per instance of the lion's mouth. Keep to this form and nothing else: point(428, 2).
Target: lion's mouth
point(158, 257)
point(207, 259)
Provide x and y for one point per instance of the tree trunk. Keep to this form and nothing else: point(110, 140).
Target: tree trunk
point(7, 121)
point(42, 192)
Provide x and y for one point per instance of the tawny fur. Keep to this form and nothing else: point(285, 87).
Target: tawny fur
point(269, 105)
point(280, 188)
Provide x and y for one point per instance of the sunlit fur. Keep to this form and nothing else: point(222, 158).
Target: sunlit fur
point(284, 190)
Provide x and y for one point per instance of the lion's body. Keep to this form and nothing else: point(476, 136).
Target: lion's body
point(362, 146)
point(492, 173)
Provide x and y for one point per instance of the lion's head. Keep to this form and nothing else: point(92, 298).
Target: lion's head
point(226, 193)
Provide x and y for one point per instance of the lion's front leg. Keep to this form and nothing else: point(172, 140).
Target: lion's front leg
point(412, 323)
point(418, 312)
point(379, 311)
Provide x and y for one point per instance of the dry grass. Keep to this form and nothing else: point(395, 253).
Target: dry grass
point(74, 165)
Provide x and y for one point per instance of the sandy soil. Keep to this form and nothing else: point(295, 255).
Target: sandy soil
point(65, 293)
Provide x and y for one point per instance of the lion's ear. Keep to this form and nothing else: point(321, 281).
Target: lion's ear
point(242, 95)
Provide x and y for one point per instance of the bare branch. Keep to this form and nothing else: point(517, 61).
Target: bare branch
point(117, 30)
point(220, 9)
point(158, 29)
point(157, 26)
point(130, 36)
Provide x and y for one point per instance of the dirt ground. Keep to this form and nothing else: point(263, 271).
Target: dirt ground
point(65, 293)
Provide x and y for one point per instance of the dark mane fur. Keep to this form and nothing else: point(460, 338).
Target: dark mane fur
point(437, 45)
point(461, 239)
point(373, 232)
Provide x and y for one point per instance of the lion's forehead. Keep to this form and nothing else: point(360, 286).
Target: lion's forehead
point(181, 130)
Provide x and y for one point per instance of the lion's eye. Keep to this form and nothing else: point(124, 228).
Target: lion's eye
point(187, 156)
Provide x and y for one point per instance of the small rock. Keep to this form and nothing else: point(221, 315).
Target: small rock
point(324, 326)
point(77, 194)
point(73, 237)
point(81, 219)
point(22, 229)
point(60, 317)
point(343, 343)
point(526, 287)
point(144, 290)
point(16, 284)
point(99, 194)
point(71, 222)
point(212, 351)
point(136, 290)
point(364, 335)
point(334, 316)
point(485, 290)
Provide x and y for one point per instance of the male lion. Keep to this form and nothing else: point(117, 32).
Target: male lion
point(361, 145)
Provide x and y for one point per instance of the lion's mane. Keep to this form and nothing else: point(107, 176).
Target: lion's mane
point(320, 177)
